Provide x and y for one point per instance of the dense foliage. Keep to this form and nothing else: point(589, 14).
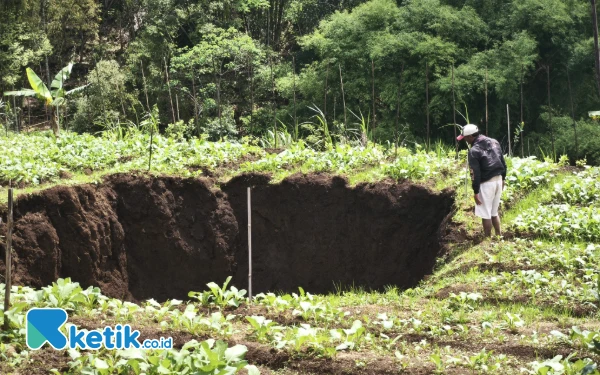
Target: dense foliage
point(570, 210)
point(234, 68)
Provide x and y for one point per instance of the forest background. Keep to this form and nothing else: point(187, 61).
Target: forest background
point(275, 71)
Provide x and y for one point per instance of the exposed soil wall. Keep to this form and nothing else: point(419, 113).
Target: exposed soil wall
point(142, 237)
point(315, 231)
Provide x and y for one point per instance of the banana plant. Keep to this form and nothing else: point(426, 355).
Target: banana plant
point(55, 97)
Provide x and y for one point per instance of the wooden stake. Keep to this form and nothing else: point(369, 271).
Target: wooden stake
point(550, 112)
point(274, 102)
point(195, 101)
point(169, 87)
point(249, 245)
point(334, 105)
point(343, 96)
point(509, 135)
point(522, 122)
point(486, 101)
point(120, 88)
point(218, 88)
point(427, 100)
point(454, 111)
point(373, 93)
point(573, 115)
point(145, 87)
point(8, 261)
point(295, 118)
point(151, 141)
point(326, 88)
point(251, 96)
point(398, 111)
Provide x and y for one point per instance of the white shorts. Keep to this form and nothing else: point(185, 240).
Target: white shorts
point(489, 194)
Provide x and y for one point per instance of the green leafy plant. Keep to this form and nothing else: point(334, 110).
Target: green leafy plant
point(589, 340)
point(513, 322)
point(263, 329)
point(220, 296)
point(352, 336)
point(436, 359)
point(208, 357)
point(559, 366)
point(563, 161)
point(464, 300)
point(581, 163)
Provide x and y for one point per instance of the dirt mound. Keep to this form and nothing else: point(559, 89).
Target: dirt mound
point(143, 237)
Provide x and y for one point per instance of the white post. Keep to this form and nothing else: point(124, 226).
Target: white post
point(249, 246)
point(508, 122)
point(8, 261)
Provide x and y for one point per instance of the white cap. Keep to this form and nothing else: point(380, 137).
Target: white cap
point(468, 129)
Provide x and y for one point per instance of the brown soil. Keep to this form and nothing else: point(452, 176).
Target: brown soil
point(274, 150)
point(143, 237)
point(314, 231)
point(65, 175)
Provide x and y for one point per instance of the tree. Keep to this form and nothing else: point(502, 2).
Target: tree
point(389, 35)
point(105, 100)
point(218, 61)
point(72, 26)
point(22, 41)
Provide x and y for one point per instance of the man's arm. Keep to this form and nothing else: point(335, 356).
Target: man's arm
point(504, 165)
point(504, 171)
point(476, 168)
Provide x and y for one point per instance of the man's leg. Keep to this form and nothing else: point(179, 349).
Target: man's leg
point(496, 223)
point(484, 210)
point(487, 227)
point(495, 205)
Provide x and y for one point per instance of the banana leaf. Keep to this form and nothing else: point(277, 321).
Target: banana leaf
point(38, 85)
point(76, 89)
point(23, 92)
point(57, 93)
point(58, 102)
point(61, 77)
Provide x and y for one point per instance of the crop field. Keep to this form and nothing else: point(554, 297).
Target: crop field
point(524, 303)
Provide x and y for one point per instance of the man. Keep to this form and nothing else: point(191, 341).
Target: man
point(488, 172)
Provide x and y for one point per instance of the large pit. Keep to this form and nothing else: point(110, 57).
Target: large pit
point(140, 237)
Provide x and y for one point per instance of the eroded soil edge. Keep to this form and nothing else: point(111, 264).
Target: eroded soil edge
point(142, 237)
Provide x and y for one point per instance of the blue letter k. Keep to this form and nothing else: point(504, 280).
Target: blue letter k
point(43, 325)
